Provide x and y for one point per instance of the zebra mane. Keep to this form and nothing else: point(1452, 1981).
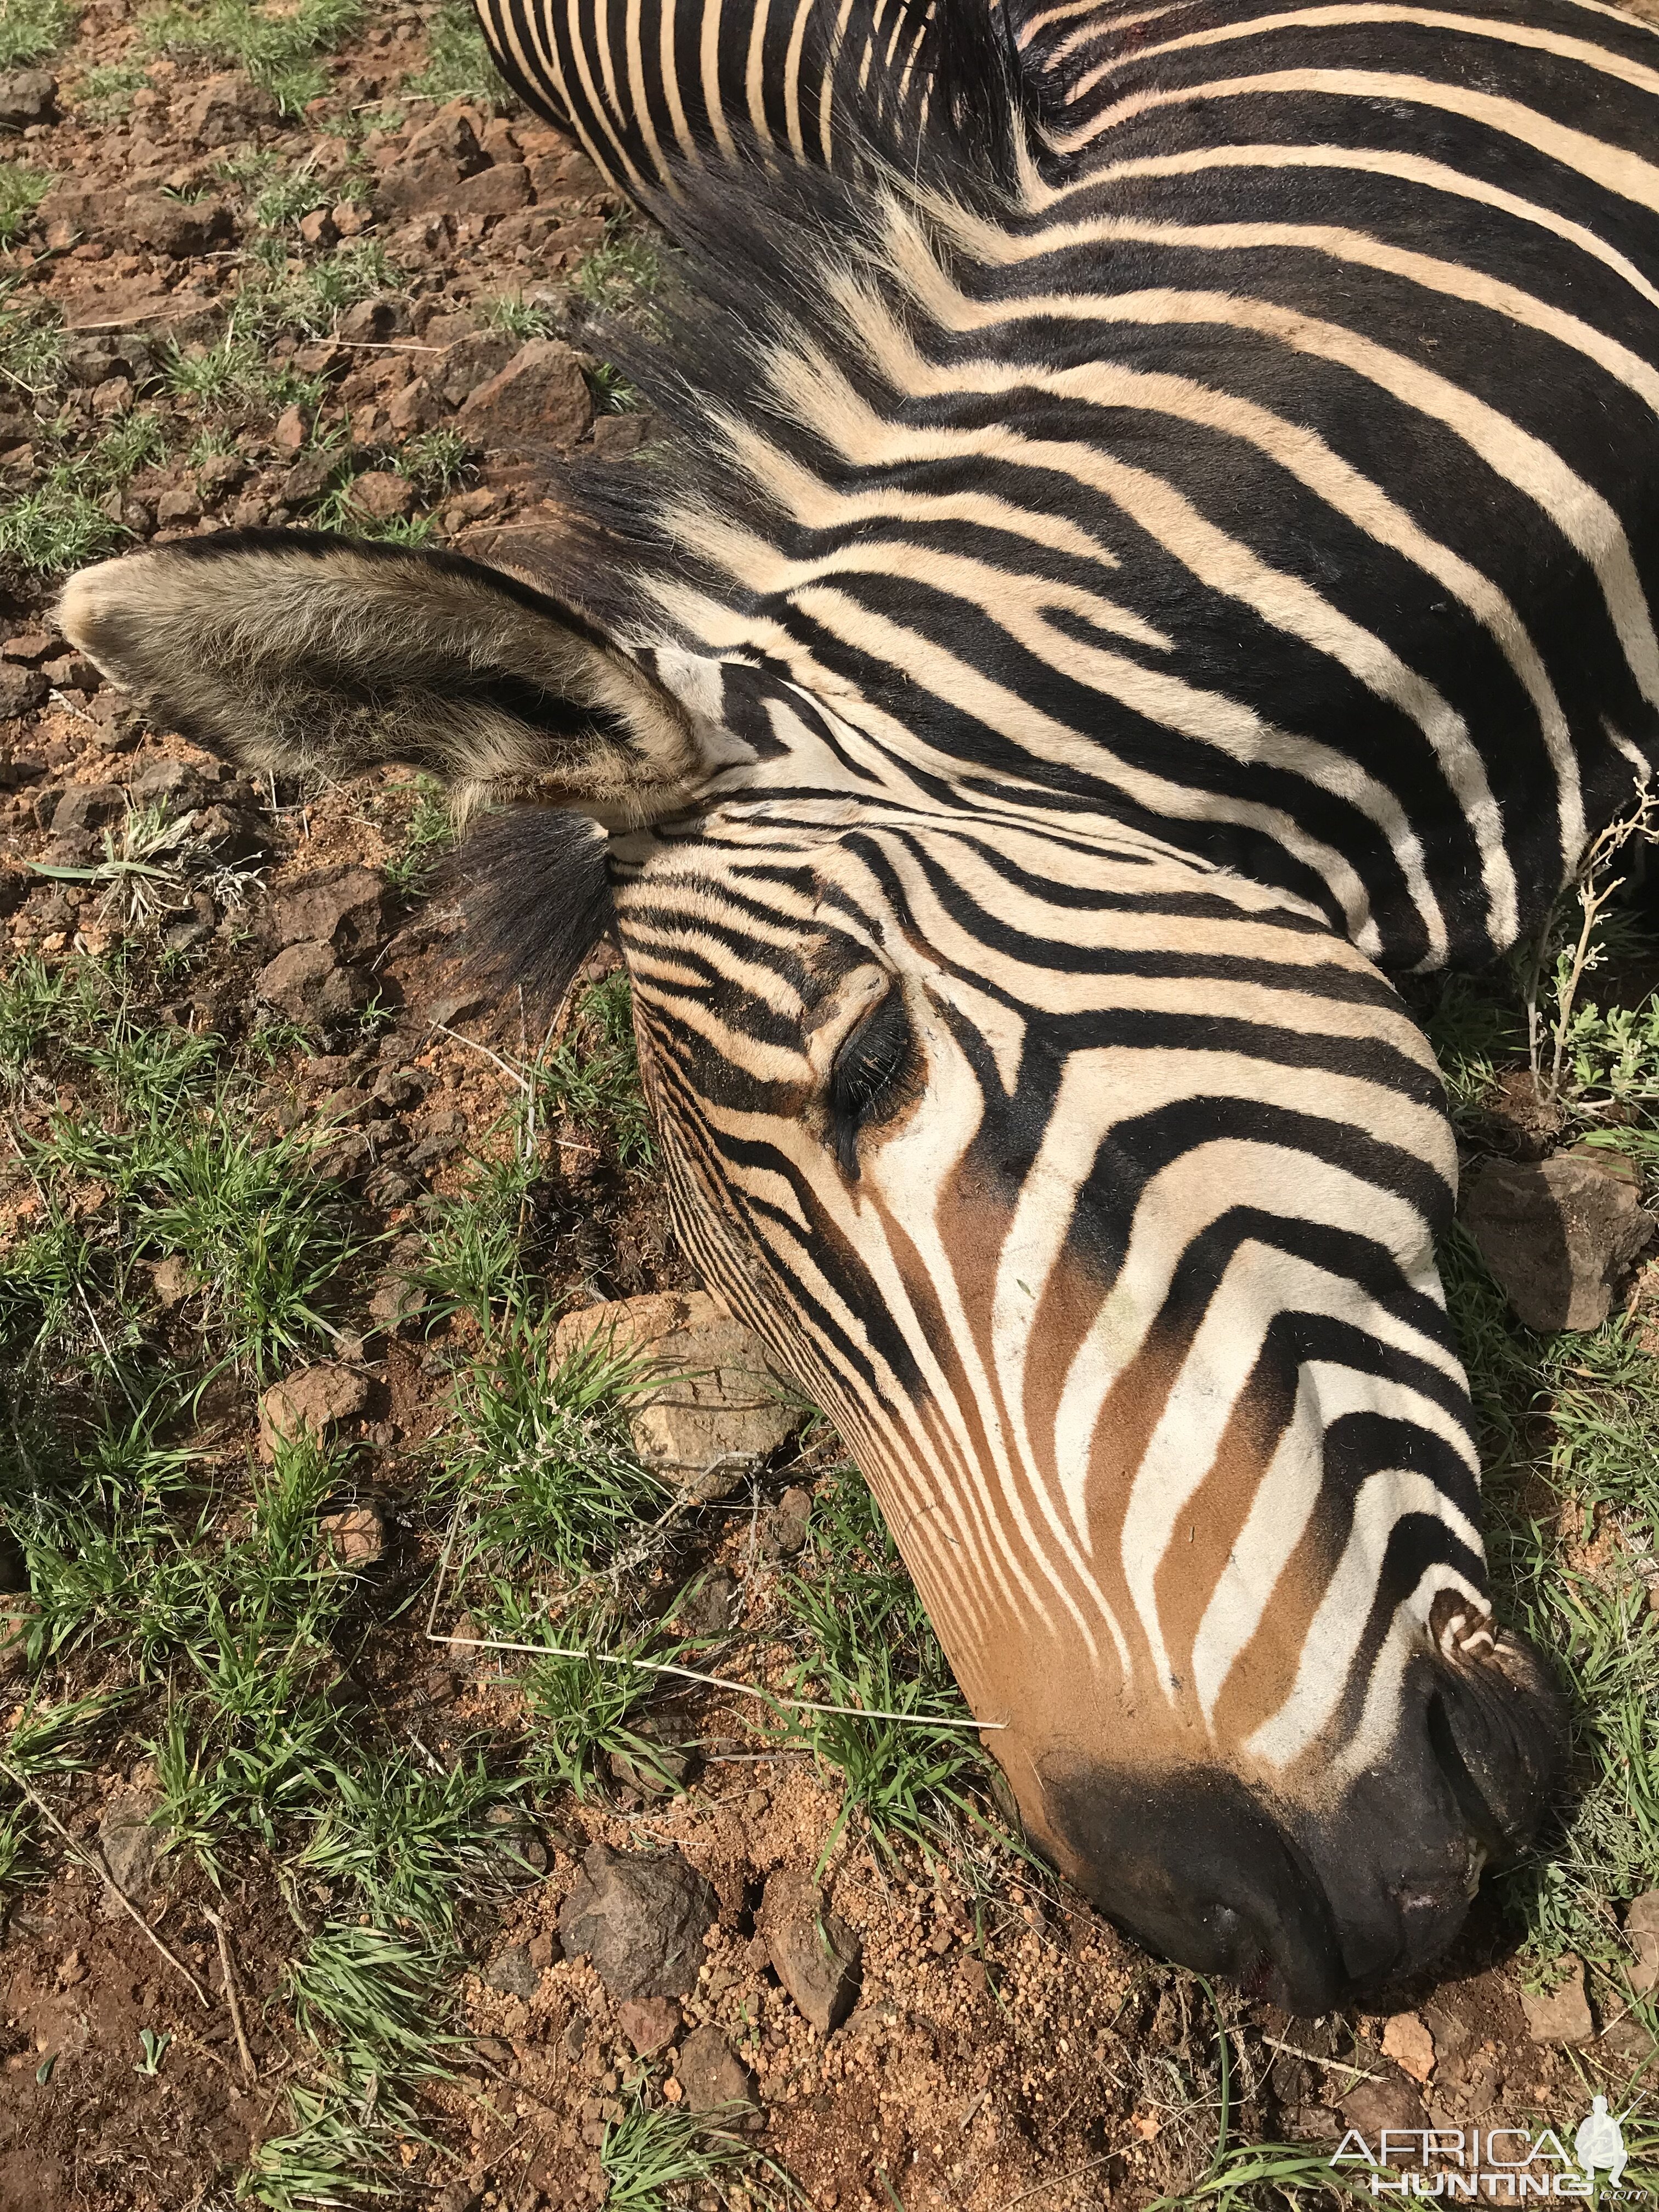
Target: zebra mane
point(759, 248)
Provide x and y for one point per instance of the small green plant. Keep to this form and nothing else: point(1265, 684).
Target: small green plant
point(31, 347)
point(592, 1076)
point(541, 1458)
point(429, 833)
point(413, 1842)
point(64, 519)
point(511, 312)
point(278, 48)
point(141, 874)
point(104, 93)
point(654, 2154)
point(458, 66)
point(622, 271)
point(869, 1644)
point(30, 29)
point(153, 2049)
point(21, 192)
point(287, 200)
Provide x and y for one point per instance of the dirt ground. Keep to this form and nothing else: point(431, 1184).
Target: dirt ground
point(1008, 2048)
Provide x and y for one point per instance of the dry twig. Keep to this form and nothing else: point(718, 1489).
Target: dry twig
point(79, 1850)
point(232, 2001)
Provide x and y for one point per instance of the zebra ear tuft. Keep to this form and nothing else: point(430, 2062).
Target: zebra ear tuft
point(290, 650)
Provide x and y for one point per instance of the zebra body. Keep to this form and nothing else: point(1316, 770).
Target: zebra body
point(1158, 536)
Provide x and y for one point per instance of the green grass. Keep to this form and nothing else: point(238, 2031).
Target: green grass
point(623, 271)
point(189, 1175)
point(62, 520)
point(278, 48)
point(21, 192)
point(592, 1075)
point(652, 2151)
point(104, 93)
point(1569, 1428)
point(31, 29)
point(869, 1644)
point(428, 835)
point(458, 66)
point(31, 346)
point(540, 1454)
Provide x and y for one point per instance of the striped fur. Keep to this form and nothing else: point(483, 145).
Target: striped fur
point(1157, 538)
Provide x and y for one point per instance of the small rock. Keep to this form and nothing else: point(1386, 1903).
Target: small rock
point(1407, 2040)
point(356, 1534)
point(27, 96)
point(309, 1401)
point(1561, 2014)
point(513, 1973)
point(292, 430)
point(500, 191)
point(618, 436)
point(450, 134)
point(469, 362)
point(88, 806)
point(1390, 2101)
point(540, 398)
point(649, 2023)
point(22, 690)
point(1642, 1930)
point(131, 1841)
point(710, 2073)
point(1450, 2034)
point(453, 1006)
point(711, 1607)
point(544, 1950)
point(319, 228)
point(642, 1918)
point(1627, 2039)
point(308, 478)
point(309, 983)
point(1557, 1236)
point(219, 475)
point(180, 229)
point(343, 906)
point(178, 509)
point(226, 110)
point(814, 1953)
point(398, 1088)
point(382, 495)
point(784, 1526)
point(719, 1410)
point(416, 407)
point(376, 322)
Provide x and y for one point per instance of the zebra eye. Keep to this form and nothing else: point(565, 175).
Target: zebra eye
point(868, 1077)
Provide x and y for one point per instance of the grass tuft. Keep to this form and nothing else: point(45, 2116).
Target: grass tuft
point(459, 64)
point(31, 29)
point(21, 192)
point(278, 47)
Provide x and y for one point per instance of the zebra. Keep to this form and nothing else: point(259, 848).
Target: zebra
point(1149, 543)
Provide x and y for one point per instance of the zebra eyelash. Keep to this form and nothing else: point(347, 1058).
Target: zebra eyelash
point(868, 1080)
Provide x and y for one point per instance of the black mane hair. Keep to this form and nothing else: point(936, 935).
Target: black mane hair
point(752, 239)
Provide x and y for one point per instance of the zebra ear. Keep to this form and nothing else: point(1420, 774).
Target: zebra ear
point(290, 649)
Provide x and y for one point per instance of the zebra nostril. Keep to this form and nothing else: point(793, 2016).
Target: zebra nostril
point(1194, 1867)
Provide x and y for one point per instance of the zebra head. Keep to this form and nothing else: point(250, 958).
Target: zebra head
point(1090, 1188)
